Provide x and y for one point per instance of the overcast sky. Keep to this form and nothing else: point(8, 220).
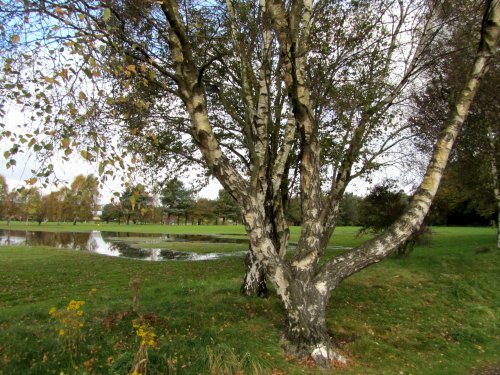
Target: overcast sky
point(65, 171)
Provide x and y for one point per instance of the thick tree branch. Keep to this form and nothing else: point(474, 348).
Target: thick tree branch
point(372, 251)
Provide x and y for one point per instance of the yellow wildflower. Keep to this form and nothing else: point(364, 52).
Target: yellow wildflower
point(52, 311)
point(79, 313)
point(61, 332)
point(145, 332)
point(75, 305)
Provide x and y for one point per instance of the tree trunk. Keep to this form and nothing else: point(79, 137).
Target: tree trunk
point(254, 282)
point(305, 334)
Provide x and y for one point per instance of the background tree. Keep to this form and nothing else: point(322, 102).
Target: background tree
point(85, 192)
point(293, 212)
point(349, 210)
point(459, 203)
point(177, 199)
point(53, 203)
point(226, 207)
point(31, 204)
point(382, 207)
point(111, 212)
point(271, 97)
point(11, 206)
point(204, 211)
point(4, 191)
point(135, 203)
point(154, 213)
point(68, 204)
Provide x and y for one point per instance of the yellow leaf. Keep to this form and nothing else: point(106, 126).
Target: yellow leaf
point(131, 68)
point(15, 39)
point(59, 11)
point(64, 74)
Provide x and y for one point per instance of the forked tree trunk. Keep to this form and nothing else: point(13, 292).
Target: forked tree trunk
point(305, 291)
point(303, 287)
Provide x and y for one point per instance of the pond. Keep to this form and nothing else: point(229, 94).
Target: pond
point(121, 244)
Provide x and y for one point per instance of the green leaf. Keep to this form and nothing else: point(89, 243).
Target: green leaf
point(106, 15)
point(86, 155)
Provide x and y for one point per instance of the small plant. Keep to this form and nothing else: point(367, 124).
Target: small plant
point(70, 321)
point(135, 287)
point(147, 336)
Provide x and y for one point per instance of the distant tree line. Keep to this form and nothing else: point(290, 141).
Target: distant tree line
point(177, 204)
point(174, 204)
point(78, 202)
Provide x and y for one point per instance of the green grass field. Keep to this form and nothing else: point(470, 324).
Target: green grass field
point(435, 312)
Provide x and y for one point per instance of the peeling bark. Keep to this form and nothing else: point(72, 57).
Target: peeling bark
point(254, 282)
point(306, 334)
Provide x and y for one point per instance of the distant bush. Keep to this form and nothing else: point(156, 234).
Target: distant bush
point(381, 207)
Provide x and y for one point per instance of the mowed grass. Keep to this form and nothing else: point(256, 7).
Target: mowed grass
point(435, 312)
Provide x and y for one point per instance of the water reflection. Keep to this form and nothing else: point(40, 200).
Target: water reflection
point(124, 244)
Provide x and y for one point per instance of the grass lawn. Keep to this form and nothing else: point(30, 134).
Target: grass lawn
point(435, 312)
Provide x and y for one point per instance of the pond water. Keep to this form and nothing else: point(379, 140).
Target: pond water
point(119, 244)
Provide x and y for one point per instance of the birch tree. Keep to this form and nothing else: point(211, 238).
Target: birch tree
point(270, 96)
point(476, 157)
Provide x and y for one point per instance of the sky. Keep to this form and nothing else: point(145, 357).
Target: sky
point(15, 176)
point(66, 171)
